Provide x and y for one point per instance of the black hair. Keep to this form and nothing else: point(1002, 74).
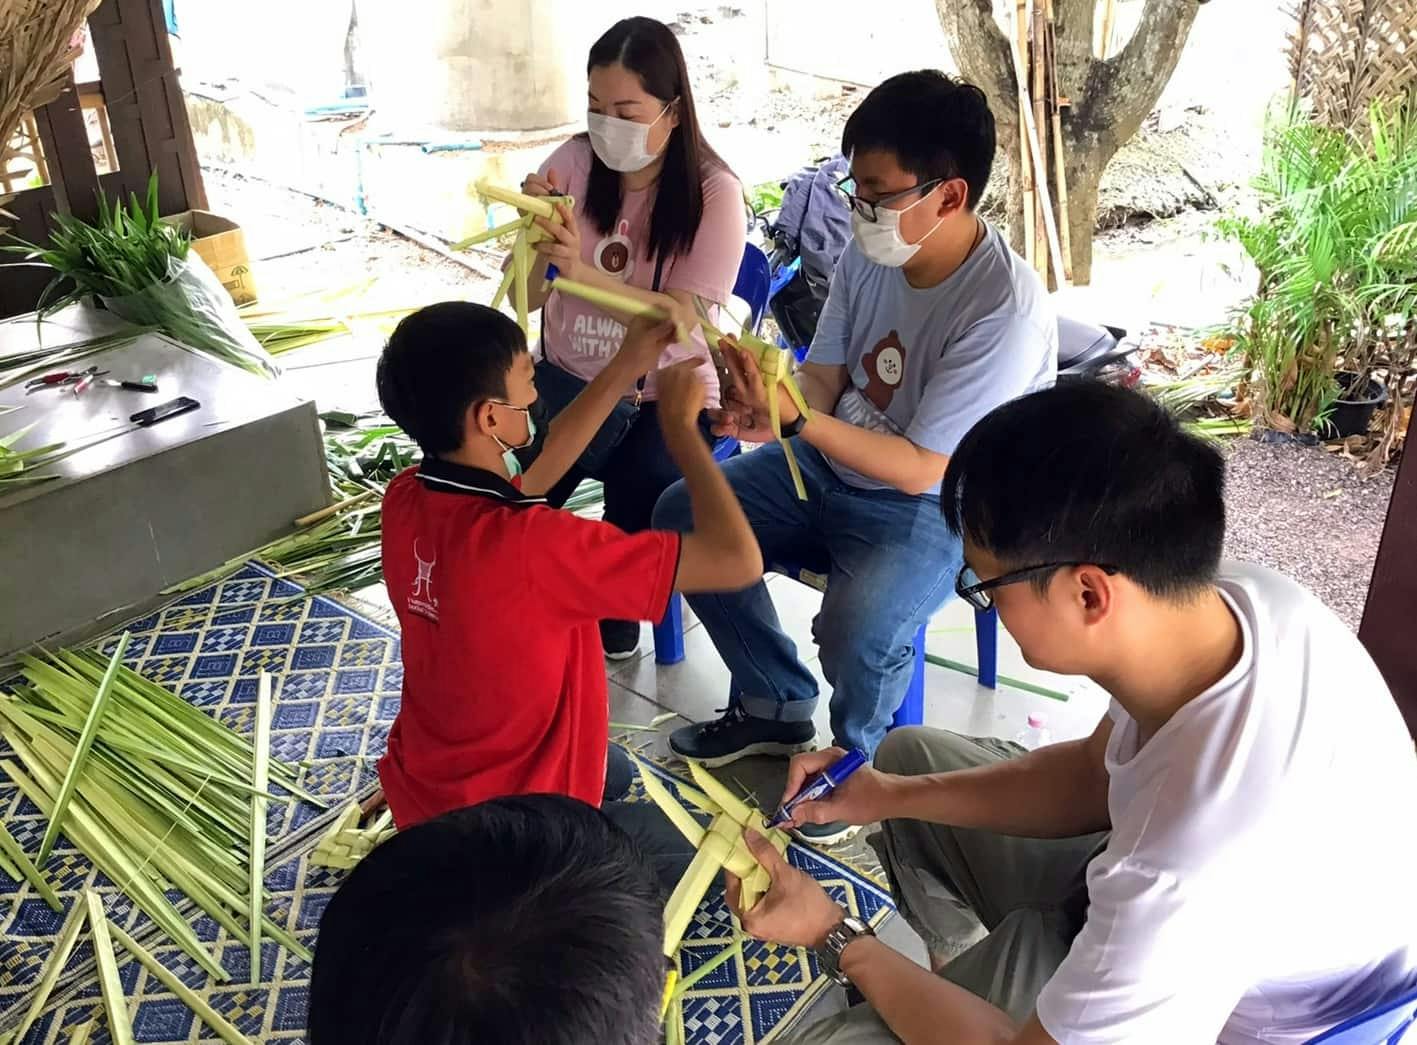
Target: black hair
point(528, 920)
point(935, 125)
point(1089, 472)
point(651, 51)
point(438, 362)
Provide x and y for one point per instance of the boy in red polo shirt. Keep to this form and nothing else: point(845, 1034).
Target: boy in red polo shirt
point(498, 596)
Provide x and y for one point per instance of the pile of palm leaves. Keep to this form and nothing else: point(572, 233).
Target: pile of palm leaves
point(1335, 243)
point(157, 793)
point(141, 268)
point(338, 549)
point(27, 363)
point(1204, 401)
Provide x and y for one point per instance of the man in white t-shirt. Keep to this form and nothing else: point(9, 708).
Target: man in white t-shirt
point(1223, 859)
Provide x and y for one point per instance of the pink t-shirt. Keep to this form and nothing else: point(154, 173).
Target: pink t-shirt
point(581, 338)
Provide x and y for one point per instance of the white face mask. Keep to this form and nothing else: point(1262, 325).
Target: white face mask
point(510, 461)
point(622, 145)
point(881, 241)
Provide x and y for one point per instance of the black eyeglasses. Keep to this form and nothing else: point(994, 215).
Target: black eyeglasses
point(977, 593)
point(867, 208)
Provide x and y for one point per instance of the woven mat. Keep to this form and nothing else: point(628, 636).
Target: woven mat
point(338, 679)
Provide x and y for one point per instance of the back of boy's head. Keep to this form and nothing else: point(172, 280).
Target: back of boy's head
point(438, 362)
point(937, 126)
point(528, 920)
point(1087, 472)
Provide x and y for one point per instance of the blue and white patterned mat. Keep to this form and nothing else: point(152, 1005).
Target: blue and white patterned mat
point(338, 679)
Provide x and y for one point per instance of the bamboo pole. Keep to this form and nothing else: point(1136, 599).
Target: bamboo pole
point(1039, 173)
point(1025, 167)
point(1109, 20)
point(334, 509)
point(1039, 92)
point(1056, 100)
point(261, 740)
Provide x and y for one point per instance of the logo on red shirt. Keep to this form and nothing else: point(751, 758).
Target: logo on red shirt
point(421, 600)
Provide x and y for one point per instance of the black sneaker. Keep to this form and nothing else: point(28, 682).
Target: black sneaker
point(737, 735)
point(832, 833)
point(620, 638)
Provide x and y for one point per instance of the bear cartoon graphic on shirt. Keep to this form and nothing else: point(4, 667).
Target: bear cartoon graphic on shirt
point(614, 254)
point(885, 367)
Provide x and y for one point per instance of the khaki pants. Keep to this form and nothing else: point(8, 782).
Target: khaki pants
point(1001, 911)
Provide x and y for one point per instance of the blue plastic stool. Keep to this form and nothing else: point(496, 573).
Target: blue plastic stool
point(669, 645)
point(1383, 1024)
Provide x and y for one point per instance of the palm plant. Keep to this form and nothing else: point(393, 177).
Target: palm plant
point(1335, 243)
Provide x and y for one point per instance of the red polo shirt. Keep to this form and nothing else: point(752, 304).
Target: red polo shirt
point(498, 597)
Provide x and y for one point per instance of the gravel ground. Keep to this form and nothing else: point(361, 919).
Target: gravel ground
point(1307, 513)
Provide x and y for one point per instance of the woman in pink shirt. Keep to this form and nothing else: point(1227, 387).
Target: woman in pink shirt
point(659, 217)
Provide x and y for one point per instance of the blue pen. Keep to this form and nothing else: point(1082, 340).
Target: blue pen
point(823, 784)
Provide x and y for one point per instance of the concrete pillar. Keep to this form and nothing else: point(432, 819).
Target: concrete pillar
point(478, 65)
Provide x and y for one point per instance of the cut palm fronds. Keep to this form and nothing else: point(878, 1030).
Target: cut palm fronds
point(338, 548)
point(162, 800)
point(20, 366)
point(81, 749)
point(527, 234)
point(139, 266)
point(204, 1012)
point(83, 1031)
point(280, 332)
point(688, 982)
point(720, 845)
point(120, 1023)
point(773, 362)
point(20, 866)
point(53, 968)
point(346, 843)
point(259, 777)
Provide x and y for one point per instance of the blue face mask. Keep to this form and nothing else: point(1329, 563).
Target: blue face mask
point(509, 453)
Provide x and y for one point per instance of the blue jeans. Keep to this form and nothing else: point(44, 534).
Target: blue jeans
point(893, 565)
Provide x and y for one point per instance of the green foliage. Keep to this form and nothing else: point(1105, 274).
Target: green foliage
point(765, 197)
point(1335, 242)
point(128, 250)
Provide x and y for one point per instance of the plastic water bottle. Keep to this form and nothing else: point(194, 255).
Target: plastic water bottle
point(1036, 735)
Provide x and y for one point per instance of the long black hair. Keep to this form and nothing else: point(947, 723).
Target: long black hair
point(649, 50)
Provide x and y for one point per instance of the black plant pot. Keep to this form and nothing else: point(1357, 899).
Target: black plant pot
point(1353, 411)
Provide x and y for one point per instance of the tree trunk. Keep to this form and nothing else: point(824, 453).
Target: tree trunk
point(1107, 100)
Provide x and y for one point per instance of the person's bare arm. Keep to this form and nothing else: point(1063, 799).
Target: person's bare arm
point(887, 458)
point(1057, 791)
point(574, 427)
point(821, 385)
point(721, 554)
point(922, 1008)
point(918, 1006)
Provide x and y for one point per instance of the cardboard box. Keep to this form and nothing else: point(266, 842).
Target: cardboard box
point(222, 245)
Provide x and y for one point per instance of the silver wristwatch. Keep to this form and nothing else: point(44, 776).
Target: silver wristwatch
point(848, 929)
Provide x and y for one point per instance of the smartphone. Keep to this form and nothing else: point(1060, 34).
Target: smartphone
point(154, 414)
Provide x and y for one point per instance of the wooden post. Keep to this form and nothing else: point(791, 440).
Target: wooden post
point(1022, 12)
point(65, 138)
point(1109, 19)
point(1040, 120)
point(1040, 174)
point(1392, 594)
point(1055, 105)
